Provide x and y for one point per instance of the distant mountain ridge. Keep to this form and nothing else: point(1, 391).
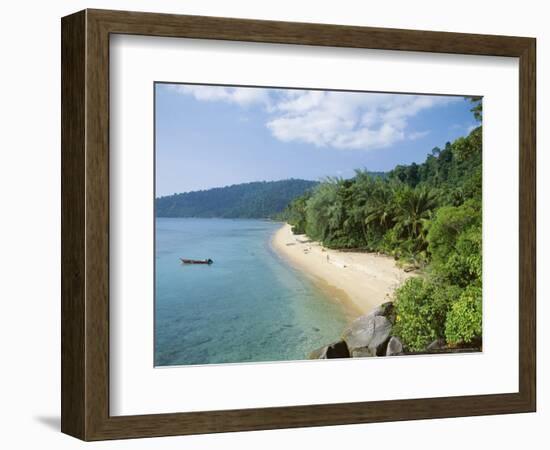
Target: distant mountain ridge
point(255, 200)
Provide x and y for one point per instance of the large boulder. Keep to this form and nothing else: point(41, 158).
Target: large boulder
point(368, 335)
point(363, 352)
point(395, 347)
point(336, 350)
point(438, 344)
point(386, 310)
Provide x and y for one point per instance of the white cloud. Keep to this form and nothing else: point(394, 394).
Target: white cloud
point(341, 120)
point(348, 120)
point(240, 96)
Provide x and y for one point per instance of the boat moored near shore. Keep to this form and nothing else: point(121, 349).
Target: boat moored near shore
point(196, 261)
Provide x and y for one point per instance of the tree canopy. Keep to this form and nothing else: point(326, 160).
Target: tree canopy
point(262, 199)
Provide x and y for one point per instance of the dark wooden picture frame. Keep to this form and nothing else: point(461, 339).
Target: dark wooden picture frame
point(85, 224)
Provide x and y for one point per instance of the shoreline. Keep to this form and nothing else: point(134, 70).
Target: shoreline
point(356, 280)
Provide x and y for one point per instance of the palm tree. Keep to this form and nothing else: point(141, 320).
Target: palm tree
point(319, 216)
point(414, 209)
point(381, 206)
point(361, 192)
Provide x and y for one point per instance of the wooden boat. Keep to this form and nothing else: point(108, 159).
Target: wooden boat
point(196, 261)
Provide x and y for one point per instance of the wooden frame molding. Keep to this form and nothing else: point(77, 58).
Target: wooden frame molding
point(85, 224)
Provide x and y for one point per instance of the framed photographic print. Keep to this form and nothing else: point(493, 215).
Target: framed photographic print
point(272, 224)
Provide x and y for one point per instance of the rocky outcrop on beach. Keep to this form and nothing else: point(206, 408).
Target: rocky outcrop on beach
point(367, 336)
point(336, 350)
point(371, 335)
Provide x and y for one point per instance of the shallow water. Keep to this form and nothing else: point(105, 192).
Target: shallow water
point(247, 306)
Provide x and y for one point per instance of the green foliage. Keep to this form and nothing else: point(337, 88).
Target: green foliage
point(477, 109)
point(263, 199)
point(467, 147)
point(454, 242)
point(322, 211)
point(448, 223)
point(464, 265)
point(296, 214)
point(464, 321)
point(421, 307)
point(409, 175)
point(414, 208)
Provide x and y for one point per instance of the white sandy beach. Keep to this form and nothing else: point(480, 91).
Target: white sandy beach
point(360, 281)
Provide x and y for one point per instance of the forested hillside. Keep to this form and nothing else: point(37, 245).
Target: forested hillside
point(428, 216)
point(262, 199)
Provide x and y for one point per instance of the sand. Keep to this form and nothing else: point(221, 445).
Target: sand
point(359, 281)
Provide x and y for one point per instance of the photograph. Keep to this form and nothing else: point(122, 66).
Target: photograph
point(306, 224)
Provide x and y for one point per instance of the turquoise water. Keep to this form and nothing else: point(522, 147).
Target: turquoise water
point(247, 306)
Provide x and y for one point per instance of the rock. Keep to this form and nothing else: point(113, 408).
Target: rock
point(386, 310)
point(381, 350)
point(395, 347)
point(363, 352)
point(367, 335)
point(320, 353)
point(381, 310)
point(438, 344)
point(335, 350)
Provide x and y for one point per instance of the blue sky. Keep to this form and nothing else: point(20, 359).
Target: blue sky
point(210, 136)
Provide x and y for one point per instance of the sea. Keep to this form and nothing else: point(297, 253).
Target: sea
point(248, 306)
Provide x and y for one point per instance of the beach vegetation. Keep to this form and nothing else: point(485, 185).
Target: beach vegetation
point(464, 320)
point(422, 310)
